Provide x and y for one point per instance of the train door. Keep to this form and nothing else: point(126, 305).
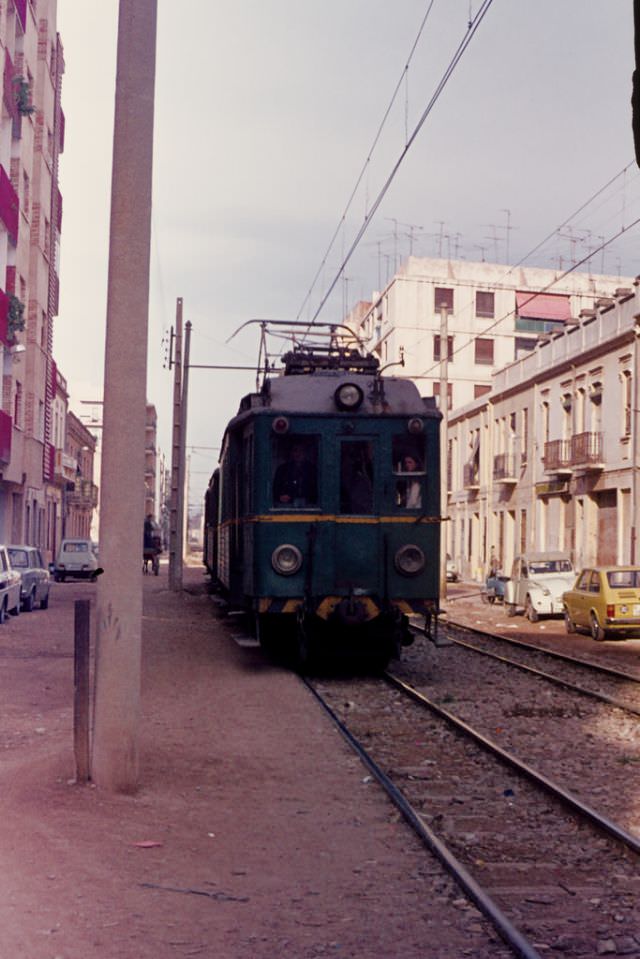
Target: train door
point(357, 546)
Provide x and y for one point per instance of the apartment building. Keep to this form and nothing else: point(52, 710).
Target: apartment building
point(31, 140)
point(490, 314)
point(548, 458)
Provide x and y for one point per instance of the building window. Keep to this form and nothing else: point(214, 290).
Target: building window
point(484, 351)
point(480, 389)
point(524, 433)
point(523, 346)
point(17, 405)
point(443, 297)
point(485, 305)
point(626, 402)
point(26, 193)
point(436, 348)
point(436, 393)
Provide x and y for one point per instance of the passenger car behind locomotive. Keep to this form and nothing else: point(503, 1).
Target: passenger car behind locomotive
point(323, 518)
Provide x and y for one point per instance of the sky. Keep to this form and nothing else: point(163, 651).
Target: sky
point(266, 112)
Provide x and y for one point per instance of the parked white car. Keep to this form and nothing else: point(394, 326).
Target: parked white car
point(77, 558)
point(10, 582)
point(537, 583)
point(35, 576)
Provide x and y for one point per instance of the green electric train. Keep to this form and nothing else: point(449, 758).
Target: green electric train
point(322, 520)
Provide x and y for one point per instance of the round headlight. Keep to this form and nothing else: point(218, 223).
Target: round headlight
point(348, 397)
point(286, 559)
point(280, 424)
point(409, 560)
point(415, 425)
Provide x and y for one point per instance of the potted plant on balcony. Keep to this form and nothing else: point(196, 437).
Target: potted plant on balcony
point(15, 316)
point(23, 96)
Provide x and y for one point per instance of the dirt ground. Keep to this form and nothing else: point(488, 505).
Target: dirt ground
point(255, 831)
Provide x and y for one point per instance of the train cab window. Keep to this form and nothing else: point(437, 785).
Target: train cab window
point(295, 474)
point(408, 467)
point(356, 477)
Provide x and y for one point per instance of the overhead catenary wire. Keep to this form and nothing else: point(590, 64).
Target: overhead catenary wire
point(533, 295)
point(365, 166)
point(472, 29)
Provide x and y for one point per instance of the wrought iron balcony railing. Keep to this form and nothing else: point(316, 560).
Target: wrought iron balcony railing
point(586, 450)
point(557, 456)
point(504, 468)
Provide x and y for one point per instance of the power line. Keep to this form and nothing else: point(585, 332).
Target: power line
point(545, 289)
point(368, 159)
point(473, 26)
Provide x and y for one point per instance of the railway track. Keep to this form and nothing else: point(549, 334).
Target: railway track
point(612, 686)
point(551, 872)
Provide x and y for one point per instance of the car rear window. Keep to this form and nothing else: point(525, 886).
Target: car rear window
point(550, 566)
point(75, 548)
point(19, 558)
point(624, 578)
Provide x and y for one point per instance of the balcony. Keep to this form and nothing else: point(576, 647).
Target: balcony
point(557, 456)
point(504, 468)
point(6, 432)
point(4, 318)
point(84, 494)
point(9, 206)
point(471, 476)
point(21, 11)
point(586, 451)
point(8, 89)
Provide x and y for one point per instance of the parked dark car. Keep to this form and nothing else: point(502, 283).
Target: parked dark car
point(35, 575)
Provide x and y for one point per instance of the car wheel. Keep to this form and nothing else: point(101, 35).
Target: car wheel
point(30, 602)
point(530, 611)
point(569, 624)
point(44, 602)
point(16, 609)
point(597, 632)
point(511, 609)
point(3, 612)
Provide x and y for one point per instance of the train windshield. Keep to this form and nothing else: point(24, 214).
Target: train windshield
point(295, 476)
point(356, 477)
point(408, 467)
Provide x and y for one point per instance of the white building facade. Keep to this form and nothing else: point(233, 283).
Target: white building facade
point(549, 458)
point(494, 315)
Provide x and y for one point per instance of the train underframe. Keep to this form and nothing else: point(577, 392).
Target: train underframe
point(353, 629)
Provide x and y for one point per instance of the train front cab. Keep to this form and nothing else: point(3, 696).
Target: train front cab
point(358, 550)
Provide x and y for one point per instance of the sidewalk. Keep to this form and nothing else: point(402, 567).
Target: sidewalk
point(256, 833)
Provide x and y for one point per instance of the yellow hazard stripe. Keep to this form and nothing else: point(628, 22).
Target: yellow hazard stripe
point(330, 518)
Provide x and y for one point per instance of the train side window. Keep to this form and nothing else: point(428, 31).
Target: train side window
point(295, 473)
point(356, 476)
point(408, 466)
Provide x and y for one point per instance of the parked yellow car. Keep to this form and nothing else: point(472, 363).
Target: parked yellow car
point(604, 600)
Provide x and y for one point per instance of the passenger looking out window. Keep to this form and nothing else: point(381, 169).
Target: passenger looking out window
point(295, 481)
point(409, 470)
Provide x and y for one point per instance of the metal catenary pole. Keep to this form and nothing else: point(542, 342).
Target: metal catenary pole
point(444, 443)
point(175, 550)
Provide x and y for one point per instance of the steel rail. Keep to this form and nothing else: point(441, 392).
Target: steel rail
point(607, 670)
point(564, 683)
point(599, 821)
point(507, 931)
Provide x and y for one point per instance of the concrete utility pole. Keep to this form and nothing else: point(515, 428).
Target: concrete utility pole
point(177, 476)
point(444, 443)
point(119, 604)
